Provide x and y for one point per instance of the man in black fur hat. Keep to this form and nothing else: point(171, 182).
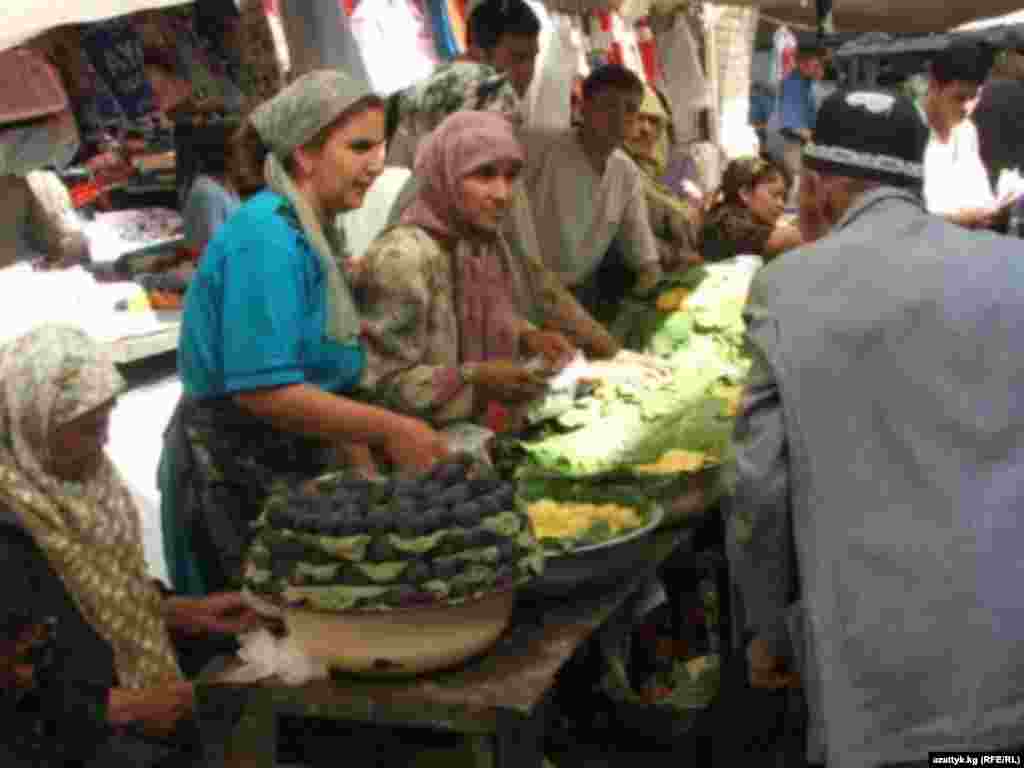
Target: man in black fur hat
point(876, 514)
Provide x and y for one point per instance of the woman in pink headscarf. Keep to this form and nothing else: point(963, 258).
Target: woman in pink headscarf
point(443, 301)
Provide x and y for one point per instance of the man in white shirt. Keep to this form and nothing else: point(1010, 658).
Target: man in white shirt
point(586, 192)
point(505, 34)
point(956, 184)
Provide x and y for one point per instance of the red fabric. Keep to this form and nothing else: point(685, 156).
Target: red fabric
point(606, 41)
point(648, 51)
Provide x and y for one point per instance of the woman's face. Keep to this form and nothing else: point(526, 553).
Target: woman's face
point(78, 445)
point(644, 131)
point(487, 192)
point(766, 199)
point(343, 169)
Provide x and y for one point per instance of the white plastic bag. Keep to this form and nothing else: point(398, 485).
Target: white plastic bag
point(265, 655)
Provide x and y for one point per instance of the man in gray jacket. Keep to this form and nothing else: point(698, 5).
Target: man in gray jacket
point(876, 536)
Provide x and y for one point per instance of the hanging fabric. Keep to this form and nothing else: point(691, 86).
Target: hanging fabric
point(458, 18)
point(264, 56)
point(440, 23)
point(784, 60)
point(395, 41)
point(114, 48)
point(682, 74)
point(613, 41)
point(548, 104)
point(320, 37)
point(648, 49)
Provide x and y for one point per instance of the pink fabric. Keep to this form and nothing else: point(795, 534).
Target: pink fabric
point(30, 87)
point(461, 144)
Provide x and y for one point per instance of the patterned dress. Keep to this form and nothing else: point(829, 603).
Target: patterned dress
point(409, 295)
point(730, 230)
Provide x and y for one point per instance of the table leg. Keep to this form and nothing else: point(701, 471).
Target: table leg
point(518, 741)
point(253, 742)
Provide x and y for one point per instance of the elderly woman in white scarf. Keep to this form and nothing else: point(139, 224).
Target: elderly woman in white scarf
point(270, 356)
point(71, 553)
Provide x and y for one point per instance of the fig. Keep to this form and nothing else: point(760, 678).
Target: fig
point(455, 495)
point(467, 515)
point(417, 572)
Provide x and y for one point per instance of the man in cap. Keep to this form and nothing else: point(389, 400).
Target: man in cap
point(876, 513)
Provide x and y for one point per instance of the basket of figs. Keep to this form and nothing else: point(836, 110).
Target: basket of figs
point(398, 575)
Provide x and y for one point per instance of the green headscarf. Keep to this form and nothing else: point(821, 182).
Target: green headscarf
point(653, 163)
point(286, 122)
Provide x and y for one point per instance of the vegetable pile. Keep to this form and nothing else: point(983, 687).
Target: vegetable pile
point(348, 543)
point(562, 525)
point(641, 435)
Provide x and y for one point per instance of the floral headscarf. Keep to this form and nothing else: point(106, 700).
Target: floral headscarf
point(460, 85)
point(89, 532)
point(486, 284)
point(286, 122)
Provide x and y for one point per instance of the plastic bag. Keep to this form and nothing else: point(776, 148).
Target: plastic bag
point(561, 392)
point(470, 439)
point(265, 655)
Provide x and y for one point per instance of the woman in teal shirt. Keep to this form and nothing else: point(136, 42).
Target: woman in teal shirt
point(270, 340)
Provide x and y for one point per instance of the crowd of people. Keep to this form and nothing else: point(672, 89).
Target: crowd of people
point(872, 524)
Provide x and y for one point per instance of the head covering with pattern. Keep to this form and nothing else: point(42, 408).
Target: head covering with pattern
point(487, 289)
point(460, 85)
point(90, 532)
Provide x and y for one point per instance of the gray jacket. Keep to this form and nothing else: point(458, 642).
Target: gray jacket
point(881, 459)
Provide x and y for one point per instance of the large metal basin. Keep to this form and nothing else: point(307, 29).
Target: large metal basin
point(596, 566)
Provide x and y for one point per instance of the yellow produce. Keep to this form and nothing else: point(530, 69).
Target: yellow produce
point(673, 300)
point(674, 462)
point(567, 520)
point(731, 393)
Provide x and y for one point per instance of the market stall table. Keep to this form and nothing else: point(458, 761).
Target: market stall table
point(498, 698)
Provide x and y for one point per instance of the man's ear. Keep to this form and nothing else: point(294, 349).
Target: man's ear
point(475, 53)
point(746, 193)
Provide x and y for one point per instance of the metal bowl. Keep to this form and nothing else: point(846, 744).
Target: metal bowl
point(596, 566)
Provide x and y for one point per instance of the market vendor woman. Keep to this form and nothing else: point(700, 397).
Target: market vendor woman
point(445, 336)
point(270, 340)
point(746, 215)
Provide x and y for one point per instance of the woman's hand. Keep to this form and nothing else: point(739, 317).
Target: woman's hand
point(224, 613)
point(358, 456)
point(767, 671)
point(556, 350)
point(507, 382)
point(414, 445)
point(156, 710)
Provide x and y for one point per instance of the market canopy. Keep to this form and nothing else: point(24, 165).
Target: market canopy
point(21, 20)
point(911, 16)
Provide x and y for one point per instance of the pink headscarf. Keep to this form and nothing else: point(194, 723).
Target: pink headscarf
point(485, 286)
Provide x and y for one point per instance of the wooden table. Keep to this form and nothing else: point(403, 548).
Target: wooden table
point(498, 698)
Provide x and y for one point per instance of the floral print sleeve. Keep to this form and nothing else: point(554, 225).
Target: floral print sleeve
point(410, 328)
point(675, 225)
point(730, 230)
